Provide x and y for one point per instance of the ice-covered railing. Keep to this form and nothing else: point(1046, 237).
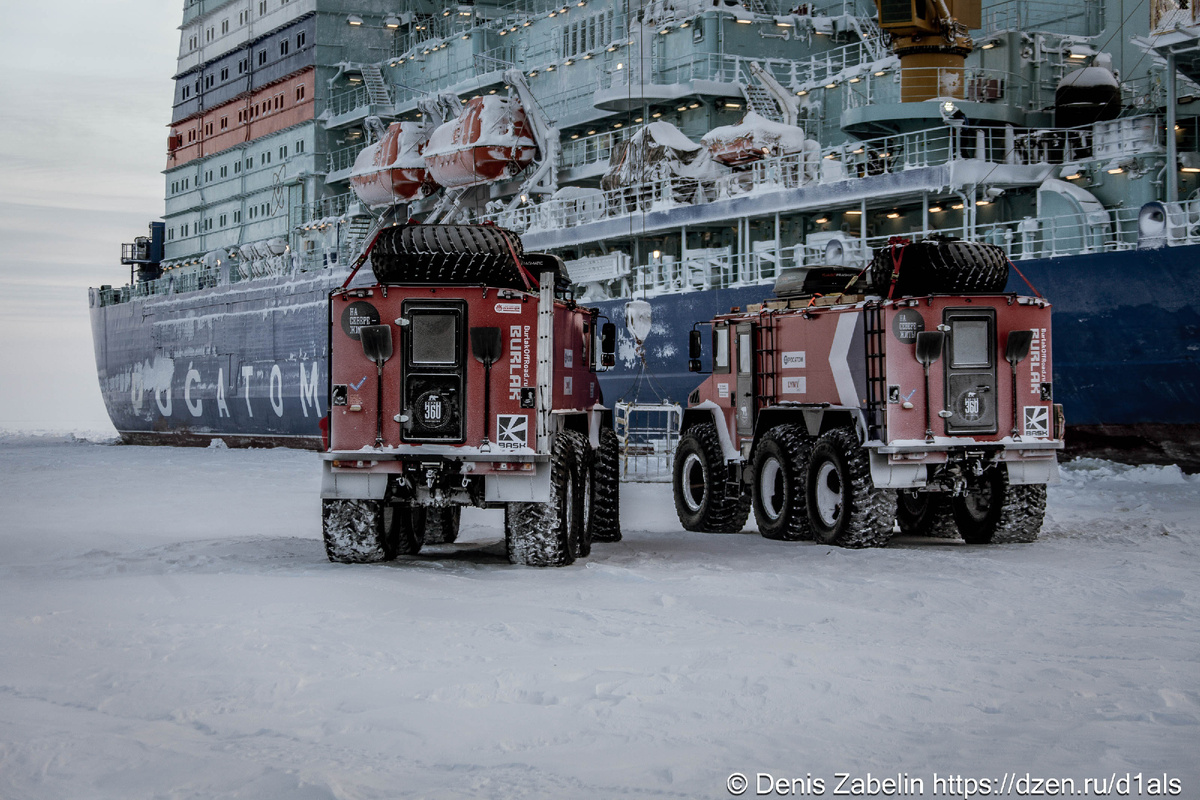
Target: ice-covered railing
point(348, 100)
point(971, 84)
point(794, 74)
point(593, 149)
point(1022, 239)
point(1165, 15)
point(1066, 17)
point(876, 156)
point(321, 209)
point(343, 158)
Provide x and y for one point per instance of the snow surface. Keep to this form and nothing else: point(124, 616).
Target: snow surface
point(172, 629)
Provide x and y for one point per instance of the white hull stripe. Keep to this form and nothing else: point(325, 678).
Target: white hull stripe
point(838, 360)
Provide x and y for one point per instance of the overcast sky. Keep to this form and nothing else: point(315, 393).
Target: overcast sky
point(84, 103)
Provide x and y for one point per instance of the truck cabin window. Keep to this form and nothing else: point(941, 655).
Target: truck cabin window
point(720, 348)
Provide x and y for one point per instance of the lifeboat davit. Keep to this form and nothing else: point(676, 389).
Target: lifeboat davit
point(752, 139)
point(491, 140)
point(393, 169)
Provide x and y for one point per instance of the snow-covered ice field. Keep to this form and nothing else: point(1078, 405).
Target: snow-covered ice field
point(172, 629)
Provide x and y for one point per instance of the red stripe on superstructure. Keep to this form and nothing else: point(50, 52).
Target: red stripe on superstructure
point(268, 110)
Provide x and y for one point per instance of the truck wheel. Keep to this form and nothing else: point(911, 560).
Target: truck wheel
point(357, 531)
point(925, 514)
point(606, 489)
point(780, 463)
point(582, 467)
point(545, 534)
point(941, 266)
point(844, 507)
point(993, 511)
point(441, 524)
point(704, 499)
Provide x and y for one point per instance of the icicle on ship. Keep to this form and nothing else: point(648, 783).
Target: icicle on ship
point(685, 152)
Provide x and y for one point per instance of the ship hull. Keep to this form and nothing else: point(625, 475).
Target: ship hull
point(246, 364)
point(174, 369)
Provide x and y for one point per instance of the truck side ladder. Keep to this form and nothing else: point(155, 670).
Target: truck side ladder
point(874, 341)
point(766, 372)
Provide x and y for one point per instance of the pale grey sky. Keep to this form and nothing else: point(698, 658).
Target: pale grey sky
point(85, 99)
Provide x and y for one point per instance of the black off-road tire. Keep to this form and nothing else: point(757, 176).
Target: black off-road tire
point(357, 531)
point(780, 467)
point(582, 468)
point(606, 489)
point(705, 500)
point(941, 266)
point(546, 534)
point(993, 511)
point(925, 514)
point(441, 524)
point(844, 507)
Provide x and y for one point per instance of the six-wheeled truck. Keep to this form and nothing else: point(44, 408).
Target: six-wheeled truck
point(914, 392)
point(466, 375)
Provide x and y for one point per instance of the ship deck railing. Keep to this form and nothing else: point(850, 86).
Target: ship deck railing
point(1023, 239)
point(998, 146)
point(1065, 17)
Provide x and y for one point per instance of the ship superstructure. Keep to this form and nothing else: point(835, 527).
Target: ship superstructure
point(682, 151)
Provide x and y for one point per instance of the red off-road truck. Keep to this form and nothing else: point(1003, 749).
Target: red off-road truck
point(914, 392)
point(466, 375)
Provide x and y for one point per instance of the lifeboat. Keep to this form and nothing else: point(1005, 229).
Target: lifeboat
point(393, 169)
point(491, 140)
point(752, 139)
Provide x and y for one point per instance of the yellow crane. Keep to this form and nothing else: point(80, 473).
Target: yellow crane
point(932, 39)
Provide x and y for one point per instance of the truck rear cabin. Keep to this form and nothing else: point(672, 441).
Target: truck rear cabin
point(836, 415)
point(465, 376)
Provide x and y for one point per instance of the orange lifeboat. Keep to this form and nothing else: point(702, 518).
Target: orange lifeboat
point(393, 169)
point(751, 140)
point(491, 140)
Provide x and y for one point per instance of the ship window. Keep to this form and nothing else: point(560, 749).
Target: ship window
point(237, 217)
point(225, 171)
point(262, 57)
point(221, 222)
point(301, 38)
point(250, 162)
point(225, 74)
point(300, 146)
point(283, 151)
point(262, 7)
point(434, 338)
point(237, 167)
point(283, 47)
point(170, 234)
point(224, 123)
point(187, 91)
point(299, 93)
point(224, 26)
point(184, 229)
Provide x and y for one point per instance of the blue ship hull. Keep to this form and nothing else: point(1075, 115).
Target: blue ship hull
point(248, 363)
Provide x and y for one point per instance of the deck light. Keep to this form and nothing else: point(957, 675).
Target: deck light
point(880, 73)
point(656, 255)
point(612, 48)
point(620, 65)
point(988, 46)
point(957, 207)
point(553, 14)
point(446, 13)
point(466, 36)
point(392, 21)
point(533, 73)
point(732, 105)
point(665, 31)
point(656, 114)
point(983, 202)
point(694, 105)
point(574, 135)
point(491, 91)
point(503, 33)
point(591, 133)
point(639, 119)
point(550, 68)
point(618, 124)
point(853, 212)
point(354, 19)
point(1116, 170)
point(684, 24)
point(744, 21)
point(568, 63)
point(855, 80)
point(894, 215)
point(821, 220)
point(935, 209)
point(681, 108)
point(801, 93)
point(831, 85)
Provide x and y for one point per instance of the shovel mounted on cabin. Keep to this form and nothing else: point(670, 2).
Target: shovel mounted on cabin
point(486, 346)
point(377, 345)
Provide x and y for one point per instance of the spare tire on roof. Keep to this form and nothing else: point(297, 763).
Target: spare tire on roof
point(940, 266)
point(447, 254)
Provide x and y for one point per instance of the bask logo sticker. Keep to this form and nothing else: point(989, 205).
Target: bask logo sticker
point(512, 431)
point(1037, 421)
